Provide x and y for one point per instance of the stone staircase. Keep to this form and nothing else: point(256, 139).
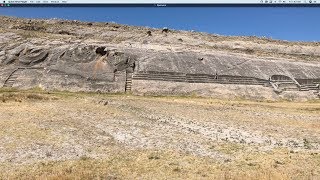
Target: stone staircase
point(12, 77)
point(309, 87)
point(275, 87)
point(128, 82)
point(197, 78)
point(160, 77)
point(241, 80)
point(285, 85)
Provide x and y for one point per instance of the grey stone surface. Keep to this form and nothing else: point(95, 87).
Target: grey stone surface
point(78, 61)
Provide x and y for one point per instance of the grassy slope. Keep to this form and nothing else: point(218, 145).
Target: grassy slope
point(25, 112)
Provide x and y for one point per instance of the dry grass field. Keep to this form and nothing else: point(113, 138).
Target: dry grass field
point(61, 135)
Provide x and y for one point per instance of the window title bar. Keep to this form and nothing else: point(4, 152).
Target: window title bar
point(163, 2)
point(160, 3)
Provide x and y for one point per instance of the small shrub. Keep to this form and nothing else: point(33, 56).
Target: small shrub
point(3, 99)
point(153, 157)
point(306, 143)
point(36, 97)
point(48, 154)
point(176, 169)
point(84, 158)
point(249, 51)
point(64, 32)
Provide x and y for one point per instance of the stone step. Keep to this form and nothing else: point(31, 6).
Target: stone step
point(12, 78)
point(178, 80)
point(192, 78)
point(197, 78)
point(128, 82)
point(147, 78)
point(238, 81)
point(9, 84)
point(289, 89)
point(310, 87)
point(243, 79)
point(243, 82)
point(286, 82)
point(158, 74)
point(159, 77)
point(282, 80)
point(203, 81)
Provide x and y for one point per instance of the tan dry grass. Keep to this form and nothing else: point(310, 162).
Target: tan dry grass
point(171, 165)
point(23, 122)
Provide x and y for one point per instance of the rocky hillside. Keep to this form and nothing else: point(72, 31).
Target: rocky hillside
point(87, 56)
point(66, 31)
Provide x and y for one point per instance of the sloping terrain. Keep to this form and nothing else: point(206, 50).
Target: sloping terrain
point(85, 136)
point(107, 57)
point(48, 132)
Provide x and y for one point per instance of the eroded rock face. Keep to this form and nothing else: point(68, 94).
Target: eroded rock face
point(78, 67)
point(33, 55)
point(78, 61)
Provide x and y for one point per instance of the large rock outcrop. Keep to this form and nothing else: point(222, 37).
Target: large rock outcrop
point(87, 59)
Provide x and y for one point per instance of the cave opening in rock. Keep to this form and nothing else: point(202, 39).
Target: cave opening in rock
point(101, 51)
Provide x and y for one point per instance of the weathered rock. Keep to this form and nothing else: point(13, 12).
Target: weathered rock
point(33, 56)
point(165, 30)
point(108, 66)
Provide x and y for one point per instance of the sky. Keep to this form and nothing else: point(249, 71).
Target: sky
point(292, 24)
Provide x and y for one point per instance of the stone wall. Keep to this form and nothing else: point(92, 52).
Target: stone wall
point(226, 91)
point(198, 78)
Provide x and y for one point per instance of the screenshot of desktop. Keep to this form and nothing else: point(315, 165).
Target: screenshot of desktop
point(160, 89)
